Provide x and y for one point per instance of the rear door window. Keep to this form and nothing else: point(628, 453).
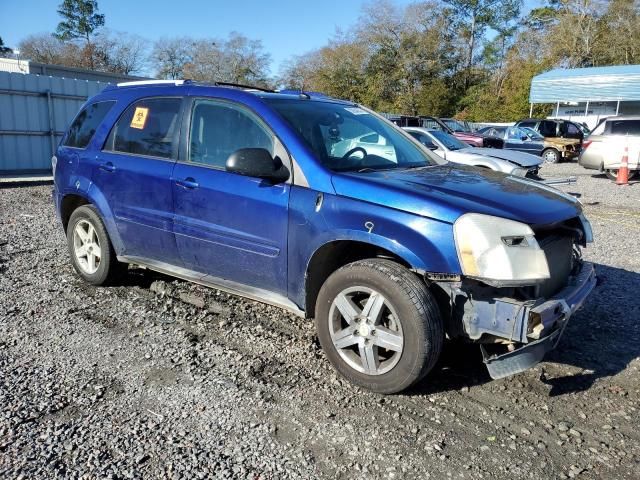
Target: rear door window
point(625, 127)
point(547, 129)
point(148, 127)
point(85, 124)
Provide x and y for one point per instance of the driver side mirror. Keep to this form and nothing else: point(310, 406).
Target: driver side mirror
point(524, 138)
point(257, 162)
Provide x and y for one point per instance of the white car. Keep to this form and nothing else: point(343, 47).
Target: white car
point(450, 148)
point(371, 143)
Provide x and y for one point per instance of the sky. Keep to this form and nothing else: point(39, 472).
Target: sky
point(285, 27)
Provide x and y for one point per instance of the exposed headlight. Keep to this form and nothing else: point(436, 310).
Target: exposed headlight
point(586, 226)
point(519, 172)
point(499, 251)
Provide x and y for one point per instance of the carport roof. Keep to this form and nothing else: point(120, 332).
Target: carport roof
point(595, 84)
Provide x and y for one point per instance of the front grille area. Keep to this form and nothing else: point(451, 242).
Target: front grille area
point(558, 248)
point(533, 173)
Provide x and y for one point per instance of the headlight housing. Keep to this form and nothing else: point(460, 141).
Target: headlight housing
point(498, 251)
point(519, 172)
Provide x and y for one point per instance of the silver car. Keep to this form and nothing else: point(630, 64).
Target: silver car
point(451, 149)
point(604, 148)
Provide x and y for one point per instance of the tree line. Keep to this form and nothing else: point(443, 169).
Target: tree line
point(470, 58)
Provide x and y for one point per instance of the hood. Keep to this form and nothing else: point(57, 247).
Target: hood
point(513, 156)
point(444, 192)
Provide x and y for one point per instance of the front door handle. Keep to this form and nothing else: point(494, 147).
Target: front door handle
point(188, 183)
point(108, 167)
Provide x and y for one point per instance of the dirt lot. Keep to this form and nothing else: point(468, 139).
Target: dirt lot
point(163, 379)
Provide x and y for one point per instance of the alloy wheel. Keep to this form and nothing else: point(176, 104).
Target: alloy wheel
point(86, 247)
point(365, 330)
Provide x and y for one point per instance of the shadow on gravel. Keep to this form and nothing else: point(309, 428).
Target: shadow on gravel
point(632, 181)
point(601, 339)
point(143, 278)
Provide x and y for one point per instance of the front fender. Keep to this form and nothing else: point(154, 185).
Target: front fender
point(495, 166)
point(423, 243)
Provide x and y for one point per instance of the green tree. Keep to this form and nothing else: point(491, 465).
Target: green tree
point(3, 48)
point(80, 21)
point(473, 17)
point(619, 34)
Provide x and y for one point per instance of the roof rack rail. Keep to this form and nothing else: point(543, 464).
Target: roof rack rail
point(152, 82)
point(246, 87)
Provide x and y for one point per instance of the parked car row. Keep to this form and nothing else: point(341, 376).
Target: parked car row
point(553, 140)
point(324, 208)
point(454, 150)
point(460, 130)
point(524, 139)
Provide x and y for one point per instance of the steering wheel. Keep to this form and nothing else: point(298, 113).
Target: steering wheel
point(354, 150)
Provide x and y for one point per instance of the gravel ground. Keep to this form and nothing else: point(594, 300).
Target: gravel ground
point(160, 378)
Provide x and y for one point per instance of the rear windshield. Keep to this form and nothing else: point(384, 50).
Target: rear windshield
point(348, 138)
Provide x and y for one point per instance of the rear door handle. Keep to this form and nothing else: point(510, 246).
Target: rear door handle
point(107, 167)
point(188, 183)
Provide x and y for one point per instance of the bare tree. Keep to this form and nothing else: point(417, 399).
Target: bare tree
point(120, 52)
point(237, 59)
point(45, 48)
point(170, 56)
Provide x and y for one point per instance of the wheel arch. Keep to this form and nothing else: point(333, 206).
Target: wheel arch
point(74, 199)
point(68, 205)
point(335, 254)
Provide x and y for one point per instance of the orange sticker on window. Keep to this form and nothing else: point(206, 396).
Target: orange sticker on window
point(139, 118)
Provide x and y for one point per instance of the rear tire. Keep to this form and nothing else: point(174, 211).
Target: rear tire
point(551, 155)
point(612, 174)
point(392, 333)
point(91, 251)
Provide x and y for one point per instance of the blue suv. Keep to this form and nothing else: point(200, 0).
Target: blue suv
point(326, 209)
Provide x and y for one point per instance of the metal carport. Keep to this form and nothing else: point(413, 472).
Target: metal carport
point(588, 94)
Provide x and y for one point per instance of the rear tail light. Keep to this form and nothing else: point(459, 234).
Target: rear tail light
point(585, 144)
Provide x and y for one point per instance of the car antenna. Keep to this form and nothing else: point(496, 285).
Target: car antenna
point(303, 93)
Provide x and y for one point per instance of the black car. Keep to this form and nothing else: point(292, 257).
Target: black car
point(554, 128)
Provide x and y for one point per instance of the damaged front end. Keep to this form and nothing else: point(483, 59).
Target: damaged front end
point(516, 325)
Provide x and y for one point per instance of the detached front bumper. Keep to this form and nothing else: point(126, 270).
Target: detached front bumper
point(550, 319)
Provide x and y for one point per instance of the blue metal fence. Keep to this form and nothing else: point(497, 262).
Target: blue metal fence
point(35, 110)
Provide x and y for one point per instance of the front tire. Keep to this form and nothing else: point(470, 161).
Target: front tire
point(551, 155)
point(91, 251)
point(379, 325)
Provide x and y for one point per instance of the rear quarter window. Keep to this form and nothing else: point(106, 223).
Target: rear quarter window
point(85, 124)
